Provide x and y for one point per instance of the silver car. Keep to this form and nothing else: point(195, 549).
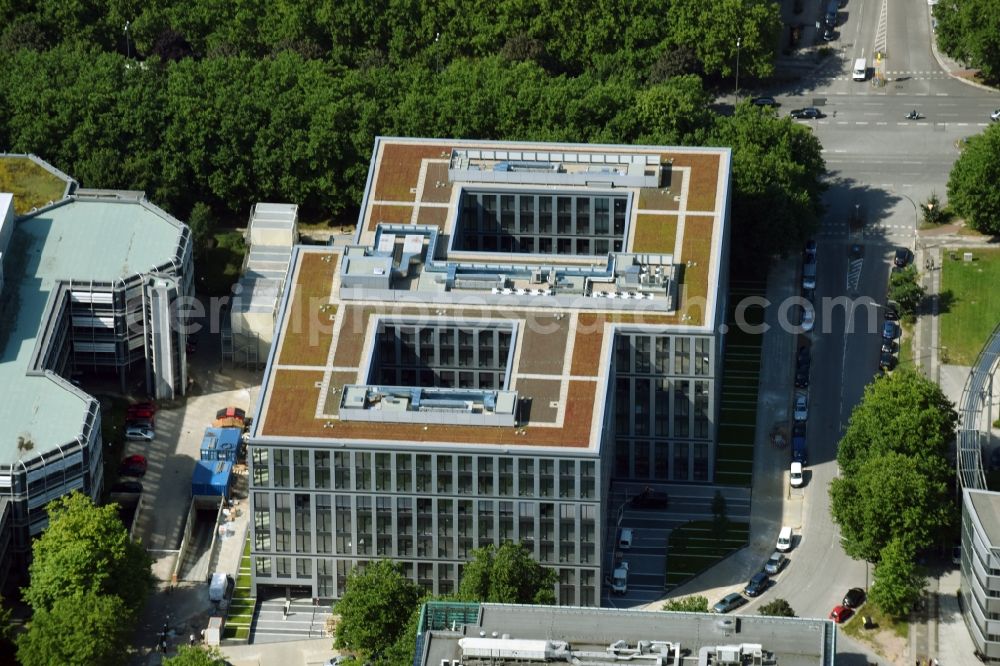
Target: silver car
point(139, 434)
point(775, 563)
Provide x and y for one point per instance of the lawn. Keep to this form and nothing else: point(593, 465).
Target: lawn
point(242, 605)
point(31, 185)
point(698, 545)
point(970, 306)
point(884, 624)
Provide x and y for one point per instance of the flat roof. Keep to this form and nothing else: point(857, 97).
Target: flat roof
point(987, 506)
point(561, 360)
point(590, 632)
point(33, 182)
point(86, 240)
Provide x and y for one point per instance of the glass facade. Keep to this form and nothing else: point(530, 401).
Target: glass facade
point(541, 222)
point(664, 394)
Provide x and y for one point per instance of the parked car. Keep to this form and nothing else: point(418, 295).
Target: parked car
point(889, 346)
point(802, 377)
point(890, 330)
point(127, 487)
point(139, 434)
point(829, 35)
point(784, 539)
point(775, 563)
point(806, 113)
point(758, 583)
point(902, 258)
point(764, 101)
point(856, 252)
point(795, 475)
point(625, 540)
point(801, 406)
point(887, 360)
point(808, 318)
point(995, 116)
point(133, 466)
point(841, 614)
point(892, 311)
point(729, 602)
point(140, 423)
point(145, 406)
point(803, 357)
point(854, 597)
point(810, 249)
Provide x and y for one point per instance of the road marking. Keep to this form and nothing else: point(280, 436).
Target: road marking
point(962, 124)
point(861, 122)
point(882, 123)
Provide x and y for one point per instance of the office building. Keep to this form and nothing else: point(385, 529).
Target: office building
point(514, 326)
point(980, 583)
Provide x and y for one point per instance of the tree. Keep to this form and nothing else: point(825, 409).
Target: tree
point(971, 191)
point(889, 498)
point(202, 223)
point(934, 212)
point(401, 652)
point(712, 30)
point(905, 290)
point(969, 31)
point(83, 628)
point(670, 112)
point(903, 412)
point(777, 170)
point(507, 575)
point(86, 549)
point(376, 605)
point(777, 608)
point(196, 656)
point(692, 604)
point(897, 583)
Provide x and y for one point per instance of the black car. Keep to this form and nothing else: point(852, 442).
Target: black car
point(757, 584)
point(887, 361)
point(802, 377)
point(829, 35)
point(854, 597)
point(857, 251)
point(807, 112)
point(902, 258)
point(127, 487)
point(764, 101)
point(889, 346)
point(802, 357)
point(799, 429)
point(891, 311)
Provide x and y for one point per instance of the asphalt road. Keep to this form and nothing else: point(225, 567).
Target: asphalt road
point(886, 166)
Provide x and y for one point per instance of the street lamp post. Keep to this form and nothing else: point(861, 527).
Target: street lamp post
point(739, 42)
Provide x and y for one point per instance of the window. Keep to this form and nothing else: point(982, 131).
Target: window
point(404, 526)
point(700, 409)
point(365, 533)
point(281, 471)
point(362, 470)
point(680, 461)
point(527, 217)
point(682, 406)
point(506, 485)
point(465, 475)
point(641, 406)
point(485, 520)
point(544, 215)
point(702, 358)
point(321, 469)
point(700, 462)
point(526, 477)
point(641, 343)
point(661, 460)
point(662, 360)
point(342, 470)
point(383, 471)
point(485, 476)
point(641, 463)
point(567, 533)
point(261, 521)
point(282, 523)
point(261, 471)
point(303, 567)
point(602, 216)
point(342, 516)
point(303, 523)
point(444, 474)
point(506, 521)
point(546, 477)
point(300, 461)
point(682, 360)
point(526, 523)
point(588, 480)
point(567, 478)
point(582, 215)
point(423, 473)
point(661, 407)
point(263, 565)
point(283, 567)
point(404, 472)
point(324, 525)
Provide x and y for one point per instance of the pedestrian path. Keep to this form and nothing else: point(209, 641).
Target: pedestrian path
point(299, 619)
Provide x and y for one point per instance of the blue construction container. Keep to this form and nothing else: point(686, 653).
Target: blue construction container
point(221, 444)
point(212, 477)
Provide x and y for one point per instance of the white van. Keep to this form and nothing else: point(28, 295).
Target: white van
point(625, 540)
point(860, 69)
point(785, 539)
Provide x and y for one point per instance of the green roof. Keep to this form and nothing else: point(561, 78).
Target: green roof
point(76, 239)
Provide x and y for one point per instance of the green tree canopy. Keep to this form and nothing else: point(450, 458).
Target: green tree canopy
point(83, 628)
point(712, 29)
point(507, 575)
point(777, 608)
point(693, 604)
point(196, 656)
point(375, 608)
point(902, 412)
point(86, 549)
point(906, 290)
point(897, 583)
point(777, 171)
point(889, 497)
point(969, 30)
point(972, 191)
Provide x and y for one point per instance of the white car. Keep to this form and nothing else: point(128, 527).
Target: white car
point(139, 434)
point(625, 540)
point(801, 406)
point(795, 475)
point(808, 318)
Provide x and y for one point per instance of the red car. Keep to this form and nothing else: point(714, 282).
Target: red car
point(841, 614)
point(133, 466)
point(143, 407)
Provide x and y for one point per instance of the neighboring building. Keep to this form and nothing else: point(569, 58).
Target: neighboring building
point(6, 537)
point(514, 326)
point(91, 286)
point(980, 584)
point(509, 635)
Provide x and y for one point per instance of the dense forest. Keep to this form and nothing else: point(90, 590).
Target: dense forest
point(228, 102)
